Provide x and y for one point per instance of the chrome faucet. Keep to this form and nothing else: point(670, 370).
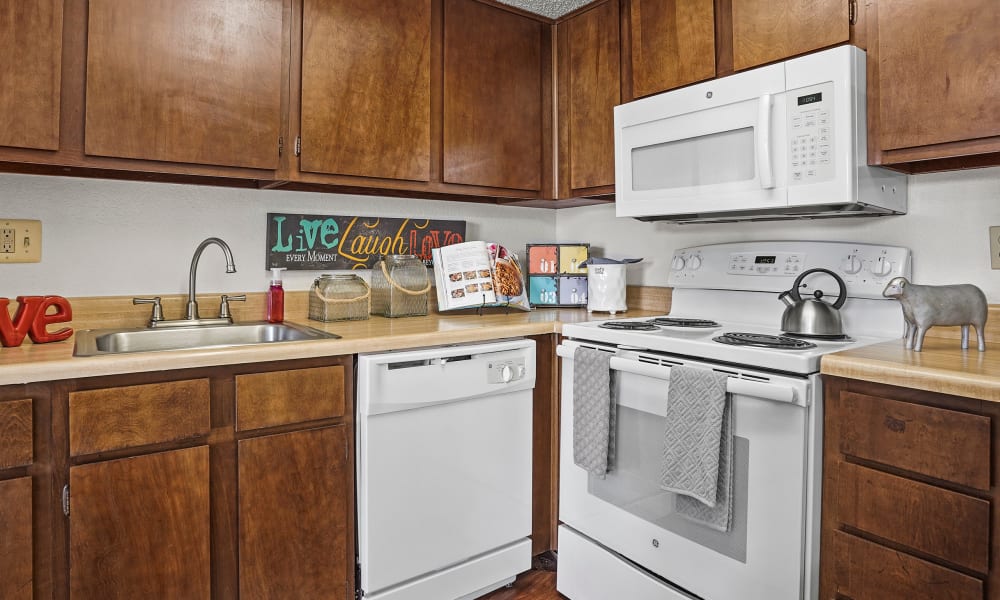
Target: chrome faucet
point(192, 304)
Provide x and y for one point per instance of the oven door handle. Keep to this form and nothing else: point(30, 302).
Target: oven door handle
point(745, 387)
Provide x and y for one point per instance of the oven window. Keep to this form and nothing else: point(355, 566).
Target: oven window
point(632, 484)
point(704, 160)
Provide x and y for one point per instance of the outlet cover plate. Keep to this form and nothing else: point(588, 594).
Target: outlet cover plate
point(20, 241)
point(995, 247)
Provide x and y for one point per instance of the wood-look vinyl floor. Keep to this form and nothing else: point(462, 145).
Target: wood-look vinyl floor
point(533, 585)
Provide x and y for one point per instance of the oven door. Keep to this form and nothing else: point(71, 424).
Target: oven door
point(769, 552)
point(716, 146)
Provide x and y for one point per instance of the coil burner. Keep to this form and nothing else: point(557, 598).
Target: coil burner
point(685, 323)
point(629, 325)
point(780, 342)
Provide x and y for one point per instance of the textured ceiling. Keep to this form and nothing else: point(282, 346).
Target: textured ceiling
point(548, 8)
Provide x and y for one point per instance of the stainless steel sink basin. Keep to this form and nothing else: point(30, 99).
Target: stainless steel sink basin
point(94, 342)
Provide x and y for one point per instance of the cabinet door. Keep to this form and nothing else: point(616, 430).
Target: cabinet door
point(294, 508)
point(768, 30)
point(492, 97)
point(139, 527)
point(30, 73)
point(590, 84)
point(673, 44)
point(191, 81)
point(16, 580)
point(366, 88)
point(936, 79)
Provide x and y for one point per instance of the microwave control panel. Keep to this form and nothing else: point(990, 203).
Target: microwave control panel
point(810, 134)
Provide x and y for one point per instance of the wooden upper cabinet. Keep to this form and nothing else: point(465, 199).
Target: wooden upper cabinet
point(589, 88)
point(139, 527)
point(30, 73)
point(933, 80)
point(189, 81)
point(366, 88)
point(768, 30)
point(492, 97)
point(672, 44)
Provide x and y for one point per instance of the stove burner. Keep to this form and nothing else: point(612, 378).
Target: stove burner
point(763, 341)
point(679, 322)
point(629, 325)
point(842, 337)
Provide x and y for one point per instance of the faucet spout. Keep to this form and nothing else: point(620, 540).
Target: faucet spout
point(192, 304)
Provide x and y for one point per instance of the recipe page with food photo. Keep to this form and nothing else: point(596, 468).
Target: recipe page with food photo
point(463, 275)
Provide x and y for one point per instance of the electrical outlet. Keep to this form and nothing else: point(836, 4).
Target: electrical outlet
point(995, 247)
point(20, 241)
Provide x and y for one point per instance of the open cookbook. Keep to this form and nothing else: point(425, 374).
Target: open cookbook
point(474, 274)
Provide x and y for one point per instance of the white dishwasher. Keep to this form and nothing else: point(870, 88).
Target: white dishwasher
point(444, 470)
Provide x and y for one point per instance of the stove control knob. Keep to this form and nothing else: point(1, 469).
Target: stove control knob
point(695, 263)
point(851, 265)
point(881, 267)
point(678, 263)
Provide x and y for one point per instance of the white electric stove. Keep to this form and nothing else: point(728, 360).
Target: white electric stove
point(620, 535)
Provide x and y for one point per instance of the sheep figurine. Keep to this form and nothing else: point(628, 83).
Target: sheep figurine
point(928, 305)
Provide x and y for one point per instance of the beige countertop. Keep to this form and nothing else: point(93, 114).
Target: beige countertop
point(942, 366)
point(49, 362)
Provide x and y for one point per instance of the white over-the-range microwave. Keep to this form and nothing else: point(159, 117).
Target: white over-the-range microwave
point(787, 140)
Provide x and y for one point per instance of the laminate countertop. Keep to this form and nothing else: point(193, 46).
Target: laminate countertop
point(942, 366)
point(55, 361)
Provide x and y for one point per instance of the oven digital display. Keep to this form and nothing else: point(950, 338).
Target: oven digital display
point(764, 260)
point(810, 98)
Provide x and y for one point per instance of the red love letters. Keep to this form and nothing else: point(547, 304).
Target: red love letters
point(31, 319)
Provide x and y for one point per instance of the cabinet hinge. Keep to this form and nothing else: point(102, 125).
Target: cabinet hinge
point(281, 145)
point(852, 11)
point(65, 500)
point(298, 145)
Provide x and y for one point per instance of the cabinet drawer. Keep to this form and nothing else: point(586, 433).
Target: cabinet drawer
point(867, 571)
point(137, 415)
point(283, 397)
point(15, 434)
point(940, 443)
point(939, 522)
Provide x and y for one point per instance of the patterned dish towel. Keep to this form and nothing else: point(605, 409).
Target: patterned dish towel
point(698, 446)
point(593, 411)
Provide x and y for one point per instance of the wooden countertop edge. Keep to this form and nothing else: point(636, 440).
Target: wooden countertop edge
point(64, 366)
point(938, 369)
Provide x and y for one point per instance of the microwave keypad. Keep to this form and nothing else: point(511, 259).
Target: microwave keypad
point(810, 137)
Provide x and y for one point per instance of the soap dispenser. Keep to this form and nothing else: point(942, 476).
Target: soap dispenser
point(276, 297)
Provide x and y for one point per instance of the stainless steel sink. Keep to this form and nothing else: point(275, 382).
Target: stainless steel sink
point(94, 342)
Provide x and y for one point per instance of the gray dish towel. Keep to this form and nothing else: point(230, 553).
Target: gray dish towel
point(593, 411)
point(698, 446)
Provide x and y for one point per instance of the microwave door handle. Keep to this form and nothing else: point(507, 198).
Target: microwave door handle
point(764, 167)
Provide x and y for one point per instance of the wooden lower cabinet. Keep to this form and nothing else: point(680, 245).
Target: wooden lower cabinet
point(293, 515)
point(910, 507)
point(196, 508)
point(139, 527)
point(16, 572)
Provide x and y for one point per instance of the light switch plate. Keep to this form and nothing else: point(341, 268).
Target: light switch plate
point(20, 241)
point(995, 247)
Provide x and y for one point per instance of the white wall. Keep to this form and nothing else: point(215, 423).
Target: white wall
point(946, 227)
point(106, 238)
point(118, 238)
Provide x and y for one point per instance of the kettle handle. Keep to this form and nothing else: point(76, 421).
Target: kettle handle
point(841, 297)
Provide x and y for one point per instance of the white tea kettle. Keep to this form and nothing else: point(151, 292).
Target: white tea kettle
point(813, 317)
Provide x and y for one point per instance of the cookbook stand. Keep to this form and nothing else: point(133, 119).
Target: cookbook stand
point(485, 305)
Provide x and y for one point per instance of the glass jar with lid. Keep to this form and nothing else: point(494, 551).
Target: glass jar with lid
point(339, 297)
point(400, 286)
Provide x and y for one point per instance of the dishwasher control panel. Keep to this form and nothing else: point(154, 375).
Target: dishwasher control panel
point(505, 371)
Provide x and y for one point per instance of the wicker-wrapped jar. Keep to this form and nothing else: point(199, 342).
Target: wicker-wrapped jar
point(400, 286)
point(339, 298)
